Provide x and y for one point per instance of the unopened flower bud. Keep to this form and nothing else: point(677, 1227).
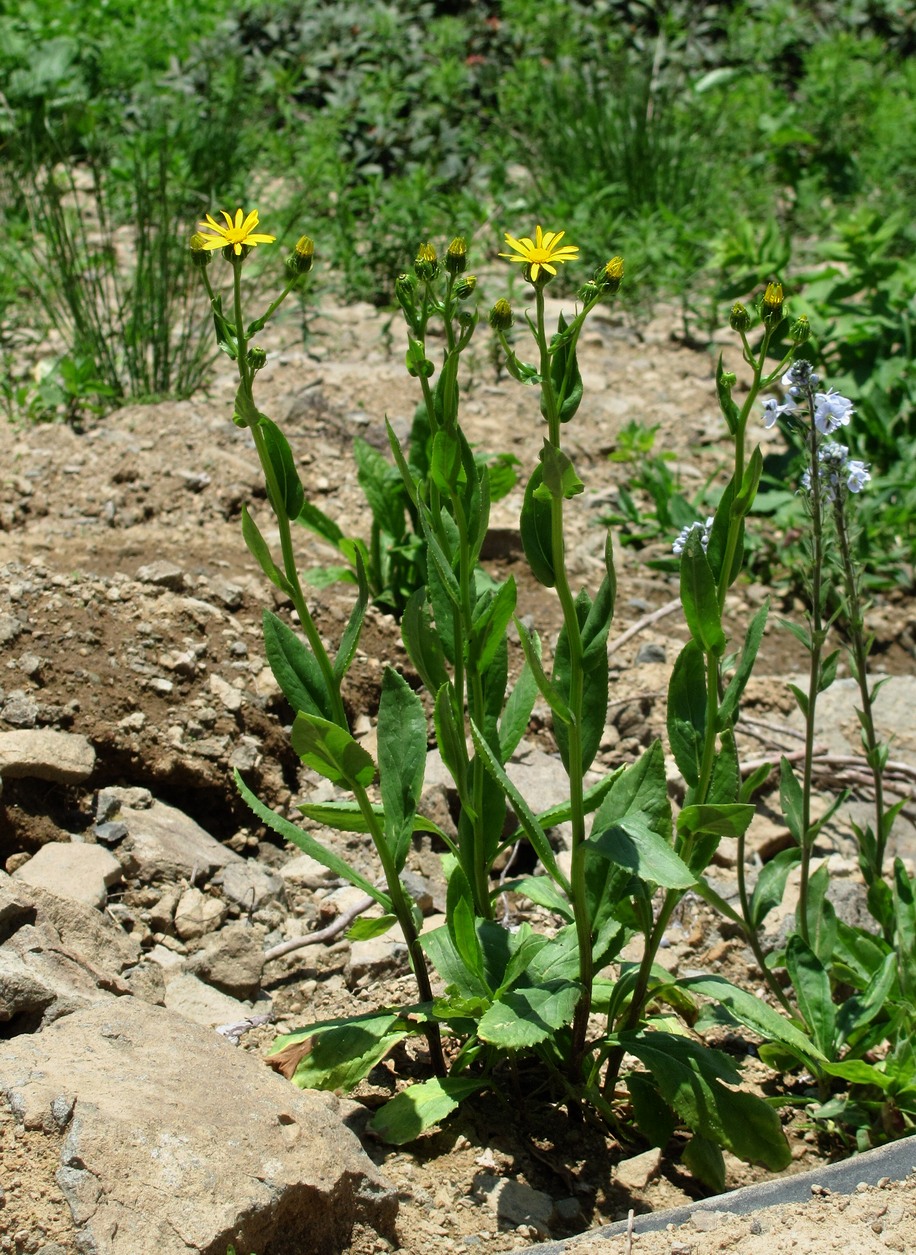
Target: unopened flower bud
point(200, 255)
point(611, 274)
point(301, 258)
point(772, 303)
point(800, 330)
point(588, 292)
point(501, 317)
point(739, 319)
point(456, 259)
point(465, 286)
point(257, 357)
point(426, 265)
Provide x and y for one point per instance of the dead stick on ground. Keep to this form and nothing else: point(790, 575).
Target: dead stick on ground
point(631, 1218)
point(646, 621)
point(323, 934)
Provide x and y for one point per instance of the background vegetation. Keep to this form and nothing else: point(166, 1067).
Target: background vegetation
point(715, 145)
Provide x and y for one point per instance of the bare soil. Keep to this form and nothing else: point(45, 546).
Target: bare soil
point(130, 612)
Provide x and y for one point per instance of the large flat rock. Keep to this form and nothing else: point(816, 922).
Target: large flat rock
point(174, 1141)
point(164, 844)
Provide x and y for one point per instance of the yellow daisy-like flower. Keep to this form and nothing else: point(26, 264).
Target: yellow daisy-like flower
point(234, 234)
point(541, 253)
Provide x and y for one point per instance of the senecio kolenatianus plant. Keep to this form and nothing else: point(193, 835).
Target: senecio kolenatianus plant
point(529, 1016)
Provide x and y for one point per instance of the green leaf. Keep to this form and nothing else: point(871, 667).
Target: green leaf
point(542, 891)
point(536, 532)
point(295, 668)
point(654, 1118)
point(822, 921)
point(331, 751)
point(458, 977)
point(687, 711)
point(401, 760)
point(366, 929)
point(419, 1107)
point(856, 1012)
point(631, 843)
point(522, 1018)
point(812, 992)
point(594, 620)
point(699, 599)
point(533, 830)
point(724, 385)
point(564, 373)
point(749, 484)
point(642, 787)
point(440, 561)
point(319, 523)
point(791, 799)
point(422, 642)
point(489, 626)
point(407, 478)
point(340, 1055)
point(462, 924)
point(549, 691)
point(690, 1078)
point(517, 713)
point(728, 708)
point(751, 1011)
point(558, 476)
point(346, 816)
point(383, 488)
point(771, 885)
point(310, 845)
point(724, 821)
point(257, 547)
point(350, 639)
point(452, 745)
point(292, 497)
point(703, 1159)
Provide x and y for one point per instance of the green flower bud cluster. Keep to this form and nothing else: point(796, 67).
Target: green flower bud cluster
point(501, 316)
point(426, 263)
point(200, 255)
point(456, 258)
point(301, 259)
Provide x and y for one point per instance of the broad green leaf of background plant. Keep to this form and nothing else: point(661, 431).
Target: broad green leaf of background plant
point(755, 1015)
point(522, 1018)
point(420, 1106)
point(338, 1056)
point(632, 843)
point(771, 885)
point(689, 1077)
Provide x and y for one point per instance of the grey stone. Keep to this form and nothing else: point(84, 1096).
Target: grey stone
point(307, 872)
point(372, 958)
point(42, 754)
point(181, 1144)
point(15, 906)
point(194, 1000)
point(650, 652)
point(636, 1173)
point(514, 1203)
point(21, 990)
point(164, 844)
point(110, 800)
point(10, 629)
point(249, 885)
point(197, 913)
point(84, 933)
point(73, 870)
point(231, 960)
point(162, 574)
point(111, 832)
point(146, 981)
point(20, 709)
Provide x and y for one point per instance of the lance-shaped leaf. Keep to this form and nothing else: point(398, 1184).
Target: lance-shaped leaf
point(517, 713)
point(687, 711)
point(728, 707)
point(812, 991)
point(549, 691)
point(631, 843)
point(292, 496)
point(535, 528)
point(698, 598)
point(422, 642)
point(257, 547)
point(383, 488)
point(770, 886)
point(751, 1011)
point(462, 924)
point(725, 381)
point(348, 816)
point(331, 751)
point(310, 845)
point(491, 618)
point(558, 476)
point(350, 639)
point(295, 668)
point(564, 372)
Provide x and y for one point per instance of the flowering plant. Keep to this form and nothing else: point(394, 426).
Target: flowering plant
point(552, 1012)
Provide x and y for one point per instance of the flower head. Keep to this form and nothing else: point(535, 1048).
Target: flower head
point(831, 411)
point(541, 253)
point(302, 257)
point(773, 299)
point(799, 378)
point(426, 264)
point(703, 528)
point(836, 466)
point(772, 410)
point(501, 317)
point(235, 234)
point(456, 257)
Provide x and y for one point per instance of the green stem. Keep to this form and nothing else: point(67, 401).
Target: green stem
point(290, 569)
point(818, 636)
point(404, 913)
point(575, 702)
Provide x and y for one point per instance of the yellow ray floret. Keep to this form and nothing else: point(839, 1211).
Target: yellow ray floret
point(541, 253)
point(234, 234)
